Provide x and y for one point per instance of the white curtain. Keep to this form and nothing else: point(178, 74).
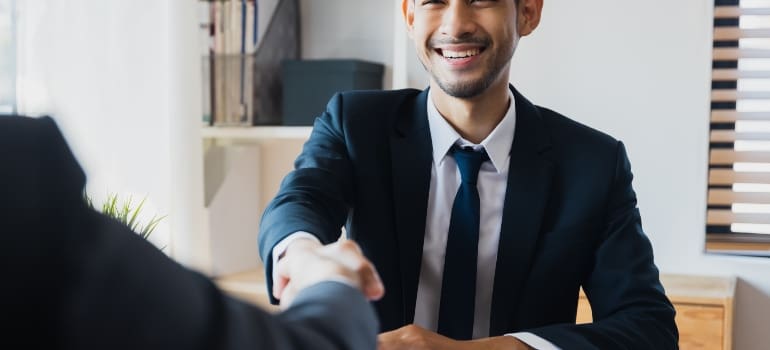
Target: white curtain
point(32, 94)
point(7, 57)
point(101, 68)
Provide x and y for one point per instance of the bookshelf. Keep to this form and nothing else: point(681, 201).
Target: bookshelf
point(244, 165)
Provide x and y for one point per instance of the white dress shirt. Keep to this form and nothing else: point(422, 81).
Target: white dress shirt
point(444, 183)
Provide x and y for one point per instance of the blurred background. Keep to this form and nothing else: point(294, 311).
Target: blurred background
point(136, 86)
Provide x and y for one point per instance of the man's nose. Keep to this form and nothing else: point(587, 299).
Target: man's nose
point(458, 20)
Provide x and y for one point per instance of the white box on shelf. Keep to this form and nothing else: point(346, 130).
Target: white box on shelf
point(232, 200)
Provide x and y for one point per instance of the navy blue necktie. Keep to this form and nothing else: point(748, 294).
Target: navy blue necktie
point(458, 289)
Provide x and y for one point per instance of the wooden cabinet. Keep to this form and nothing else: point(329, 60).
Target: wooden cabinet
point(704, 310)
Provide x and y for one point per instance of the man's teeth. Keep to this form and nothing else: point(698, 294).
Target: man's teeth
point(461, 54)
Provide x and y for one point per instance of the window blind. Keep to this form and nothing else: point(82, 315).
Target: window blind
point(738, 213)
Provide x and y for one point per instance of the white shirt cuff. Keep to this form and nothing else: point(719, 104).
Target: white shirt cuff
point(281, 247)
point(534, 341)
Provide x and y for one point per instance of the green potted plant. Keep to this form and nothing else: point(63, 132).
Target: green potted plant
point(125, 212)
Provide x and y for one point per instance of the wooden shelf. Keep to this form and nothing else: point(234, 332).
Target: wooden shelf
point(256, 132)
point(699, 289)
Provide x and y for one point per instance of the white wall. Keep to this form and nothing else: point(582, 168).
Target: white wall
point(122, 80)
point(360, 29)
point(640, 70)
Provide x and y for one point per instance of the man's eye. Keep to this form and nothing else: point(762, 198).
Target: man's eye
point(429, 2)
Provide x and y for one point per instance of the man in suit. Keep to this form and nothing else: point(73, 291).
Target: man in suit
point(74, 279)
point(484, 213)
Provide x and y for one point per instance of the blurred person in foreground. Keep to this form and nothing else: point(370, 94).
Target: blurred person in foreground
point(75, 279)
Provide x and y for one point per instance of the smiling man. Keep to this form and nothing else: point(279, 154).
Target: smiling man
point(484, 213)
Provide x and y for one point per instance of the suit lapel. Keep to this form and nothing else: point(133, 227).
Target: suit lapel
point(529, 179)
point(411, 157)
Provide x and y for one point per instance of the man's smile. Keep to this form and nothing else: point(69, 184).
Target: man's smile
point(460, 56)
point(454, 54)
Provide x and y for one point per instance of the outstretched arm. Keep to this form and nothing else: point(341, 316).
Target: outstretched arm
point(80, 280)
point(314, 198)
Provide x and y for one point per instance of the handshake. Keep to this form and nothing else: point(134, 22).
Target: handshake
point(306, 262)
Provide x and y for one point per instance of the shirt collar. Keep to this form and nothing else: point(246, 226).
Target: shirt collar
point(497, 144)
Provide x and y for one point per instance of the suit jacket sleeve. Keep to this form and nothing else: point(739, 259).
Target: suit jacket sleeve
point(317, 195)
point(131, 296)
point(630, 308)
point(84, 281)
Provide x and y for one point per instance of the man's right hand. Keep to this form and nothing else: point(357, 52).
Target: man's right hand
point(307, 262)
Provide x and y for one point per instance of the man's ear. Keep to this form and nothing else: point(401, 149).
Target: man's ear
point(407, 9)
point(529, 12)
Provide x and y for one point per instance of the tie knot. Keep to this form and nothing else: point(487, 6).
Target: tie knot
point(469, 162)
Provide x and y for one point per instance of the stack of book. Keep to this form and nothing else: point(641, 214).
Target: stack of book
point(243, 44)
point(229, 37)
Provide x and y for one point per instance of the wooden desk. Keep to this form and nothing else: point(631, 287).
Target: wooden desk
point(249, 286)
point(704, 305)
point(704, 310)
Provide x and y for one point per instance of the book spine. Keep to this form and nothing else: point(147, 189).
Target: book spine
point(248, 28)
point(235, 26)
point(212, 26)
point(242, 32)
point(227, 22)
point(205, 35)
point(255, 31)
point(219, 27)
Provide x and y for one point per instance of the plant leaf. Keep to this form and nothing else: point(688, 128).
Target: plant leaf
point(132, 222)
point(125, 213)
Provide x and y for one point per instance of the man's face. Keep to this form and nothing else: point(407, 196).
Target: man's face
point(465, 45)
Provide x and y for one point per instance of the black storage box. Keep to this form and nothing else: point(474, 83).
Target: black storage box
point(309, 84)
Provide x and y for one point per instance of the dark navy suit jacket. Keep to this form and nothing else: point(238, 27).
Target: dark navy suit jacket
point(570, 219)
point(74, 279)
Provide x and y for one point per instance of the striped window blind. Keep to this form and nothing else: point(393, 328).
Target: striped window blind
point(738, 214)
